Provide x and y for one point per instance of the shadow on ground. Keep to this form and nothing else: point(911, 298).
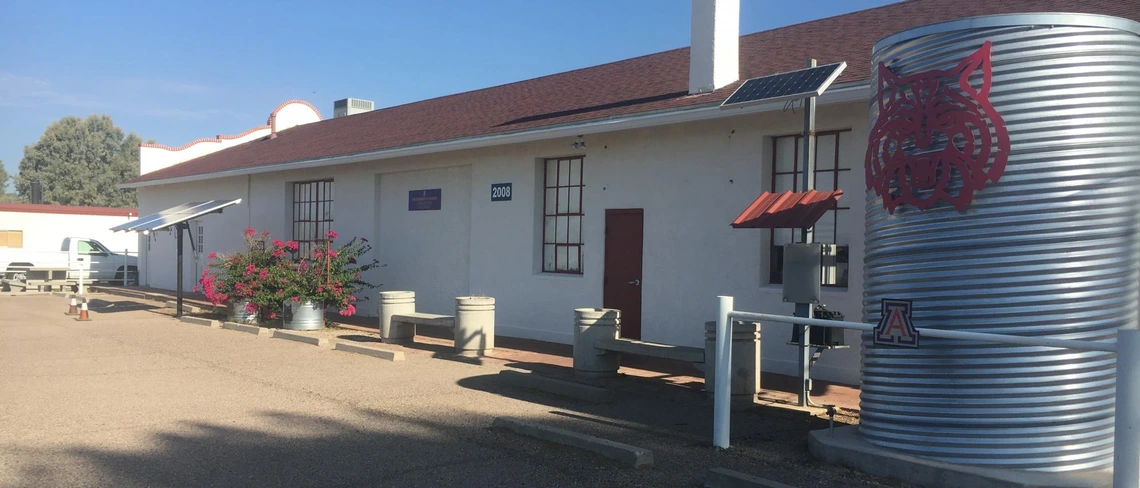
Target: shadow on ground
point(119, 306)
point(676, 424)
point(367, 448)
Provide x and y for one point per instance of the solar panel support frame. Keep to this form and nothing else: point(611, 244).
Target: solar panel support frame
point(823, 86)
point(176, 217)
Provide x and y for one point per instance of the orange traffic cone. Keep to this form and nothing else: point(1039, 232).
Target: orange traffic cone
point(83, 313)
point(73, 309)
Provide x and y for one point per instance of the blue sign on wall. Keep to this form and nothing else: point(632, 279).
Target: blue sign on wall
point(500, 192)
point(424, 199)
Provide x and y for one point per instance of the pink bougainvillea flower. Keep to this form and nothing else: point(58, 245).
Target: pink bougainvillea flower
point(296, 299)
point(272, 315)
point(250, 232)
point(331, 234)
point(251, 269)
point(292, 246)
point(333, 253)
point(348, 311)
point(278, 243)
point(318, 255)
point(212, 255)
point(251, 308)
point(277, 253)
point(196, 288)
point(263, 274)
point(265, 233)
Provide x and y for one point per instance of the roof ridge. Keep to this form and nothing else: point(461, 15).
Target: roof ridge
point(624, 60)
point(607, 92)
point(528, 80)
point(821, 19)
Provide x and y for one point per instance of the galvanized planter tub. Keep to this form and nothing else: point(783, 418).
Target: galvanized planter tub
point(302, 315)
point(1051, 249)
point(239, 314)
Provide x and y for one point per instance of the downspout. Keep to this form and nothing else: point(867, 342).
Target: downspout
point(248, 209)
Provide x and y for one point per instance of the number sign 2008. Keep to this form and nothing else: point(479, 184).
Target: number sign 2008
point(500, 192)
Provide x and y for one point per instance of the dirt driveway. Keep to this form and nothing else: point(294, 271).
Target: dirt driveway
point(135, 398)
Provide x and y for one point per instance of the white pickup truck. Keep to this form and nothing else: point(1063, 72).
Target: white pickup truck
point(98, 262)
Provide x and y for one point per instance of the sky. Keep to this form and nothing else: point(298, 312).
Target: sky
point(177, 71)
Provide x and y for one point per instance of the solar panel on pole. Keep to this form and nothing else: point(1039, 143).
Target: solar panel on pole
point(174, 215)
point(791, 85)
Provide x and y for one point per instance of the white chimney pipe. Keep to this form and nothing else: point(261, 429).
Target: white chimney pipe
point(714, 55)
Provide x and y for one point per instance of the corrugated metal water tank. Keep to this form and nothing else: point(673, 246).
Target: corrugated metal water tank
point(1050, 249)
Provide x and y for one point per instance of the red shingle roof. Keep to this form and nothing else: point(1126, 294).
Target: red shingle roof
point(67, 209)
point(644, 84)
point(787, 210)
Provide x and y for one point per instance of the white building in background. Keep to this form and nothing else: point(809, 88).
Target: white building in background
point(41, 227)
point(606, 186)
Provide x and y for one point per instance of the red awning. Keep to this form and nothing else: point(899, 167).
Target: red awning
point(787, 210)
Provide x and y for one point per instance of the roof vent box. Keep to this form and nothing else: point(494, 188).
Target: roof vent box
point(350, 106)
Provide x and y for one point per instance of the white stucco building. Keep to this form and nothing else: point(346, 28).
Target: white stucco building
point(42, 227)
point(623, 179)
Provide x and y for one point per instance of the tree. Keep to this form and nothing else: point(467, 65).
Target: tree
point(80, 162)
point(5, 197)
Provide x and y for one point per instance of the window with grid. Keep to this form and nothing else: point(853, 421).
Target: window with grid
point(200, 239)
point(312, 212)
point(562, 216)
point(832, 172)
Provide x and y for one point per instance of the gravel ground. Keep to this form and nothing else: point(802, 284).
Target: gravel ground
point(134, 398)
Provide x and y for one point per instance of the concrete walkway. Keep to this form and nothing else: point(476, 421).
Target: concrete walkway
point(135, 398)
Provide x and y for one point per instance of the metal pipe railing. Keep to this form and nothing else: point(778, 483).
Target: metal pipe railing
point(939, 333)
point(1126, 447)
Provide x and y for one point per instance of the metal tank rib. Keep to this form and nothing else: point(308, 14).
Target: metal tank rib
point(1050, 250)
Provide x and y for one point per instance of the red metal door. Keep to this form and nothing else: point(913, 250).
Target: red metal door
point(621, 287)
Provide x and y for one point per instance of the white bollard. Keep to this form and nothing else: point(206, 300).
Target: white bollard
point(396, 303)
point(722, 396)
point(474, 325)
point(81, 280)
point(591, 324)
point(1126, 438)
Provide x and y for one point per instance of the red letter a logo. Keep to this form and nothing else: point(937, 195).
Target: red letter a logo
point(895, 327)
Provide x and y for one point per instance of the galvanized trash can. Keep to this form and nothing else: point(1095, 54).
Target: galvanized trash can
point(302, 315)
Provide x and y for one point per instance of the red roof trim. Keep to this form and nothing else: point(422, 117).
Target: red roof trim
point(68, 209)
point(270, 124)
point(787, 210)
point(217, 138)
point(272, 121)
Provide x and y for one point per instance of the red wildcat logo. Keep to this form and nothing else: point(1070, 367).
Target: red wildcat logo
point(937, 137)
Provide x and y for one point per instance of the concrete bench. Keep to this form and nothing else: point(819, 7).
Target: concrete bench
point(598, 350)
point(42, 279)
point(473, 322)
point(426, 319)
point(652, 349)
